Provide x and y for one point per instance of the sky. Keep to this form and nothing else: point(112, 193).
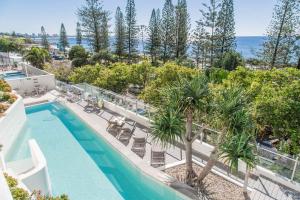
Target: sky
point(27, 16)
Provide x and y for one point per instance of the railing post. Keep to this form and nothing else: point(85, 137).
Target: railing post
point(180, 153)
point(294, 170)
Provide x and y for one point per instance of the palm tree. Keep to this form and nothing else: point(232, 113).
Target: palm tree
point(174, 119)
point(230, 116)
point(37, 57)
point(239, 147)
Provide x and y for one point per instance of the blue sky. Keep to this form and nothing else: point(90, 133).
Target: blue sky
point(27, 16)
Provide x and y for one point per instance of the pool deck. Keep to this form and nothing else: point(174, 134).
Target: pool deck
point(262, 187)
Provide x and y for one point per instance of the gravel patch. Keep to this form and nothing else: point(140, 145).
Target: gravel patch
point(221, 188)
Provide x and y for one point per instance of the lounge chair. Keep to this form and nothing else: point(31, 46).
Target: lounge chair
point(70, 96)
point(119, 121)
point(90, 106)
point(158, 157)
point(126, 134)
point(97, 105)
point(114, 130)
point(139, 146)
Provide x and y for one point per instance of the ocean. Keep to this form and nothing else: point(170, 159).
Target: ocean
point(248, 46)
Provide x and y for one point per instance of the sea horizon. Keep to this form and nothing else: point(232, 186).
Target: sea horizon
point(247, 46)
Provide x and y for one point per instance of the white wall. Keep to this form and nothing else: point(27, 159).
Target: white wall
point(27, 84)
point(4, 189)
point(11, 124)
point(37, 178)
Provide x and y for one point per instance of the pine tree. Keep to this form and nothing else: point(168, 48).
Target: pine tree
point(91, 15)
point(44, 40)
point(182, 29)
point(154, 41)
point(200, 46)
point(131, 30)
point(78, 34)
point(168, 30)
point(63, 39)
point(119, 33)
point(209, 20)
point(104, 32)
point(225, 29)
point(297, 51)
point(277, 49)
point(142, 31)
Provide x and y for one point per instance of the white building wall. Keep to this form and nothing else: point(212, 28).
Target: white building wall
point(37, 178)
point(27, 85)
point(11, 124)
point(4, 189)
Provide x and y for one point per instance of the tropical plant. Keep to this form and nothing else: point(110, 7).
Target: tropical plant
point(274, 97)
point(230, 61)
point(37, 57)
point(239, 147)
point(4, 86)
point(78, 55)
point(116, 78)
point(140, 74)
point(103, 57)
point(60, 70)
point(174, 120)
point(231, 117)
point(11, 44)
point(163, 76)
point(86, 74)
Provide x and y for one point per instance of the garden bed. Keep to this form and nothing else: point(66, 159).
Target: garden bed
point(6, 97)
point(221, 188)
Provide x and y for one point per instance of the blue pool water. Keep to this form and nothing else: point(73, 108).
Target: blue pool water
point(13, 75)
point(80, 163)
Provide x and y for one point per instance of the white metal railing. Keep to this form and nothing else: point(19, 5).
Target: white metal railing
point(274, 161)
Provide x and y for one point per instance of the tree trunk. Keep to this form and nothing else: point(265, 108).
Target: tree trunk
point(212, 159)
point(209, 165)
point(298, 66)
point(279, 36)
point(245, 191)
point(190, 174)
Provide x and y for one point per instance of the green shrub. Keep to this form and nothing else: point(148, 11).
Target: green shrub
point(230, 61)
point(78, 55)
point(19, 194)
point(4, 87)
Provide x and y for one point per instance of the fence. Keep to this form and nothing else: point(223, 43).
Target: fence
point(5, 60)
point(133, 105)
point(280, 164)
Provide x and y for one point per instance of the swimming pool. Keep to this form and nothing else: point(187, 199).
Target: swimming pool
point(13, 75)
point(80, 163)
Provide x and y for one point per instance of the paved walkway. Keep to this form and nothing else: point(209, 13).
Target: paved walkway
point(266, 189)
